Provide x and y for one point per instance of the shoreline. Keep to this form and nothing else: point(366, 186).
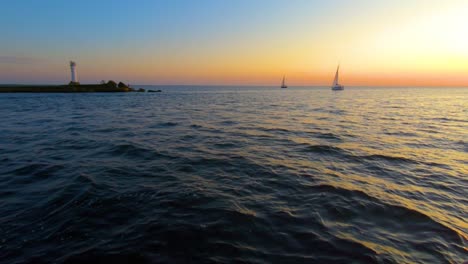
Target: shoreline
point(81, 88)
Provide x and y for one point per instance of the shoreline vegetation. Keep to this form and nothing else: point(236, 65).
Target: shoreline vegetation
point(72, 87)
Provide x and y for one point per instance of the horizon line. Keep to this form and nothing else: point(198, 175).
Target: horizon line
point(248, 85)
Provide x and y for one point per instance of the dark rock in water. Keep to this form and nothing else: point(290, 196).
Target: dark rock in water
point(154, 91)
point(141, 90)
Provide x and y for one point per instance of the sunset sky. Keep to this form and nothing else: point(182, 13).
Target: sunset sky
point(236, 42)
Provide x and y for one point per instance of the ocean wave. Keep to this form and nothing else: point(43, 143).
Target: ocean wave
point(133, 151)
point(323, 149)
point(301, 178)
point(331, 136)
point(164, 124)
point(373, 209)
point(389, 158)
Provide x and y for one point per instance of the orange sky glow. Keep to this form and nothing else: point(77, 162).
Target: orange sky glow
point(390, 43)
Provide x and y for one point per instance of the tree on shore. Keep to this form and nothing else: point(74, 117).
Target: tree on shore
point(111, 84)
point(122, 85)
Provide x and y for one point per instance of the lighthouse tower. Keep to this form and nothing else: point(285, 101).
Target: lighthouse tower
point(74, 76)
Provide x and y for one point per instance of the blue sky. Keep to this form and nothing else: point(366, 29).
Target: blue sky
point(46, 26)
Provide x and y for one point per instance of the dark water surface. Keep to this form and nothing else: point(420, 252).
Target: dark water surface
point(257, 175)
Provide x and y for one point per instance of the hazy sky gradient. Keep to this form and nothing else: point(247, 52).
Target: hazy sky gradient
point(395, 42)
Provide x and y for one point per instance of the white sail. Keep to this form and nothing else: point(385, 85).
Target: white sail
point(335, 81)
point(283, 83)
point(336, 84)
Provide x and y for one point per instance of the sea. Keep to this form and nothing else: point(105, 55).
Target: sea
point(199, 174)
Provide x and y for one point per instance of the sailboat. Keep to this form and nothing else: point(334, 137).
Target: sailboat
point(283, 84)
point(336, 86)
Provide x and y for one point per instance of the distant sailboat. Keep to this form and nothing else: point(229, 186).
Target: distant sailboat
point(336, 86)
point(283, 84)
